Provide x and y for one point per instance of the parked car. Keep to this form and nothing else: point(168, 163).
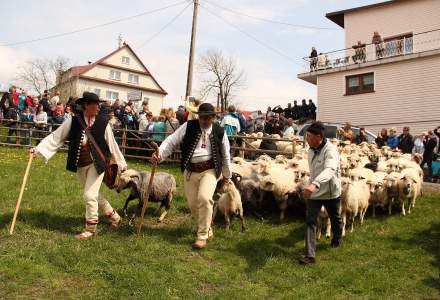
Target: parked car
point(331, 130)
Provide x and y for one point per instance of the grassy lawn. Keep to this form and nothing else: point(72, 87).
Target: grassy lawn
point(388, 257)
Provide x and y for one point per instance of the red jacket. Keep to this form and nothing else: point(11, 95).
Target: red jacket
point(28, 101)
point(15, 97)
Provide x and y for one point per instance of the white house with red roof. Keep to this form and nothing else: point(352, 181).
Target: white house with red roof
point(118, 75)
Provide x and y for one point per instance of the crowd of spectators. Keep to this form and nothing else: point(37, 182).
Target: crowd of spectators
point(38, 115)
point(40, 112)
point(426, 143)
point(45, 112)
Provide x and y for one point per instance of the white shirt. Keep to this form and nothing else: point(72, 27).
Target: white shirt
point(200, 153)
point(289, 131)
point(54, 101)
point(230, 120)
point(41, 118)
point(143, 124)
point(50, 144)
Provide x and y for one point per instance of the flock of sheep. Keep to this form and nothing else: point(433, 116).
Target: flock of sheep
point(371, 177)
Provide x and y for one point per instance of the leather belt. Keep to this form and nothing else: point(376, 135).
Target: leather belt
point(201, 166)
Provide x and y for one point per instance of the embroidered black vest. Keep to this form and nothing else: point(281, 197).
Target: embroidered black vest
point(76, 136)
point(191, 139)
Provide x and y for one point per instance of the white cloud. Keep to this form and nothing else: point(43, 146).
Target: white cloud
point(271, 79)
point(10, 62)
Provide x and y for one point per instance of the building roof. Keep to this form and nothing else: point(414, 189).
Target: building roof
point(78, 71)
point(338, 16)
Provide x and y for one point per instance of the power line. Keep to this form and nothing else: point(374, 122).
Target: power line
point(94, 26)
point(253, 38)
point(164, 27)
point(271, 21)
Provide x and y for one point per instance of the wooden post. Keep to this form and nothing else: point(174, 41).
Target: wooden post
point(17, 132)
point(293, 148)
point(191, 51)
point(124, 140)
point(243, 146)
point(20, 196)
point(146, 195)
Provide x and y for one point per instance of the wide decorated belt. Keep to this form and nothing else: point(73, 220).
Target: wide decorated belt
point(201, 166)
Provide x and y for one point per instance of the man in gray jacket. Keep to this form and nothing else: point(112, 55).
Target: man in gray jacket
point(324, 189)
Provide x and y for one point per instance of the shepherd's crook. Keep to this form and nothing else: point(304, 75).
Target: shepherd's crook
point(146, 196)
point(23, 185)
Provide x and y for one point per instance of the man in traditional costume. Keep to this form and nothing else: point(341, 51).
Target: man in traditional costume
point(205, 157)
point(84, 159)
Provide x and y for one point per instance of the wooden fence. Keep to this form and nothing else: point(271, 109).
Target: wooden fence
point(131, 142)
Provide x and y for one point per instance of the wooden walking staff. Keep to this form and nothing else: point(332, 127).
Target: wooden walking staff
point(20, 196)
point(146, 196)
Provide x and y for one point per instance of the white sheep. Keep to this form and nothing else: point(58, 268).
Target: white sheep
point(409, 189)
point(392, 189)
point(323, 223)
point(393, 165)
point(354, 201)
point(377, 191)
point(281, 182)
point(229, 203)
point(361, 173)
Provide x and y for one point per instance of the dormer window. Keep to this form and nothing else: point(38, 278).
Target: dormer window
point(115, 75)
point(125, 60)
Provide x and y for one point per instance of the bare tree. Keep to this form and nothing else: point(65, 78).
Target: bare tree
point(42, 74)
point(58, 66)
point(220, 77)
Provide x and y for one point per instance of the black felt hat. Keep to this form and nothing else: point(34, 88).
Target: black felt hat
point(88, 97)
point(206, 109)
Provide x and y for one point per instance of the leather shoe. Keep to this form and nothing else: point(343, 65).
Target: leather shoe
point(305, 260)
point(199, 244)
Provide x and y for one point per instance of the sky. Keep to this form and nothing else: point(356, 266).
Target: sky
point(269, 54)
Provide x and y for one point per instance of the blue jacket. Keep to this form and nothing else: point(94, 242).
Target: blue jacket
point(242, 121)
point(393, 141)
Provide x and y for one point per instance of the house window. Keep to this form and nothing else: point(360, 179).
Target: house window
point(115, 75)
point(126, 60)
point(133, 78)
point(359, 84)
point(97, 92)
point(111, 95)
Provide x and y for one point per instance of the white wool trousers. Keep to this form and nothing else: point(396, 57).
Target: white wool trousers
point(199, 189)
point(91, 182)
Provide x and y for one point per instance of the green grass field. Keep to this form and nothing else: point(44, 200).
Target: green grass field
point(387, 258)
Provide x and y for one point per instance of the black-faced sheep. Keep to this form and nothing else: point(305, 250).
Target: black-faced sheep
point(162, 190)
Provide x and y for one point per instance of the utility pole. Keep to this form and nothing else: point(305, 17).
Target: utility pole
point(191, 51)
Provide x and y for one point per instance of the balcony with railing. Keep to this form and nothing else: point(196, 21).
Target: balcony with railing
point(370, 54)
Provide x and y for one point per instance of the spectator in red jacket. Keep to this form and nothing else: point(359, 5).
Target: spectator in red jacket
point(58, 113)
